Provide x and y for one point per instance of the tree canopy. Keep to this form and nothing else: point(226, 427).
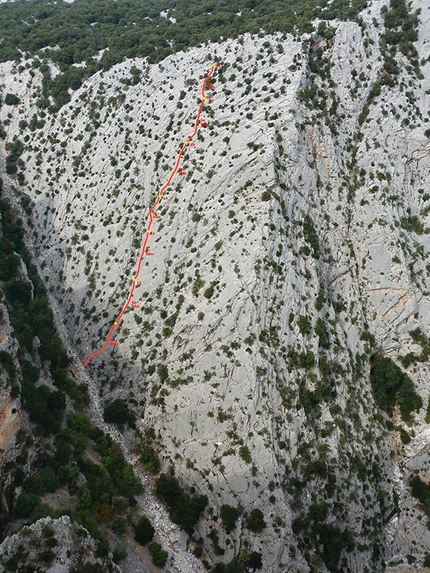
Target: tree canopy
point(128, 28)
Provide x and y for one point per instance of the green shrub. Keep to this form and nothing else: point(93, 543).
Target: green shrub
point(184, 509)
point(253, 561)
point(25, 504)
point(144, 531)
point(118, 526)
point(118, 412)
point(209, 291)
point(149, 459)
point(412, 223)
point(255, 521)
point(11, 99)
point(229, 515)
point(391, 385)
point(404, 436)
point(47, 556)
point(311, 236)
point(159, 557)
point(428, 413)
point(245, 454)
point(119, 553)
point(304, 324)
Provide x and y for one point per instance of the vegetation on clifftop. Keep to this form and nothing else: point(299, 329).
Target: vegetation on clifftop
point(102, 33)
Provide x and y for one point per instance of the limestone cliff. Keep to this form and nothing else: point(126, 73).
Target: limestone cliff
point(295, 247)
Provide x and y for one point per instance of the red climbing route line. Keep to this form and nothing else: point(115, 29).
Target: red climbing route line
point(145, 252)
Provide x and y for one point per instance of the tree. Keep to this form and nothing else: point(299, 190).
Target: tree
point(119, 526)
point(118, 412)
point(11, 99)
point(253, 561)
point(235, 566)
point(159, 557)
point(26, 504)
point(119, 553)
point(149, 460)
point(183, 508)
point(255, 521)
point(229, 515)
point(390, 384)
point(144, 531)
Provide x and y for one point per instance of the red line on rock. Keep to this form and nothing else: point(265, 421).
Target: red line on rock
point(152, 216)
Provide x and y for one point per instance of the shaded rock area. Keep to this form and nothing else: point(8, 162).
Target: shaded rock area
point(53, 546)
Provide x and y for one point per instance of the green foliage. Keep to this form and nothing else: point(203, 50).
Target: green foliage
point(11, 99)
point(320, 300)
point(79, 423)
point(6, 360)
point(13, 161)
point(149, 459)
point(118, 412)
point(404, 436)
point(31, 26)
point(311, 236)
point(322, 333)
point(304, 324)
point(25, 504)
point(235, 566)
point(255, 521)
point(121, 472)
point(11, 243)
point(159, 557)
point(401, 27)
point(45, 407)
point(61, 458)
point(245, 454)
point(266, 196)
point(208, 293)
point(391, 385)
point(118, 526)
point(184, 509)
point(420, 338)
point(119, 553)
point(253, 561)
point(327, 540)
point(229, 515)
point(240, 563)
point(163, 373)
point(144, 531)
point(413, 224)
point(45, 481)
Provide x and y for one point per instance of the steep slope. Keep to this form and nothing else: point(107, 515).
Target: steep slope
point(295, 248)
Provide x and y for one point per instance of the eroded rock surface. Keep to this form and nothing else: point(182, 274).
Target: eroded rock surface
point(298, 235)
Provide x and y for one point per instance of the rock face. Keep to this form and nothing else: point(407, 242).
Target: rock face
point(53, 546)
point(298, 235)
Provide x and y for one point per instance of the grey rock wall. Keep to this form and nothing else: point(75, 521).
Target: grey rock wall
point(286, 241)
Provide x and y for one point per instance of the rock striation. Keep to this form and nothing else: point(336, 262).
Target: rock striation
point(295, 247)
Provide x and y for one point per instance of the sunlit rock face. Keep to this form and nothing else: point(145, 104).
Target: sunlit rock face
point(294, 247)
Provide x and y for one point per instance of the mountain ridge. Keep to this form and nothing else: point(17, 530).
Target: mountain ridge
point(299, 259)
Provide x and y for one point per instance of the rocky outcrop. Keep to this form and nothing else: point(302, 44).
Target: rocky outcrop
point(52, 545)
